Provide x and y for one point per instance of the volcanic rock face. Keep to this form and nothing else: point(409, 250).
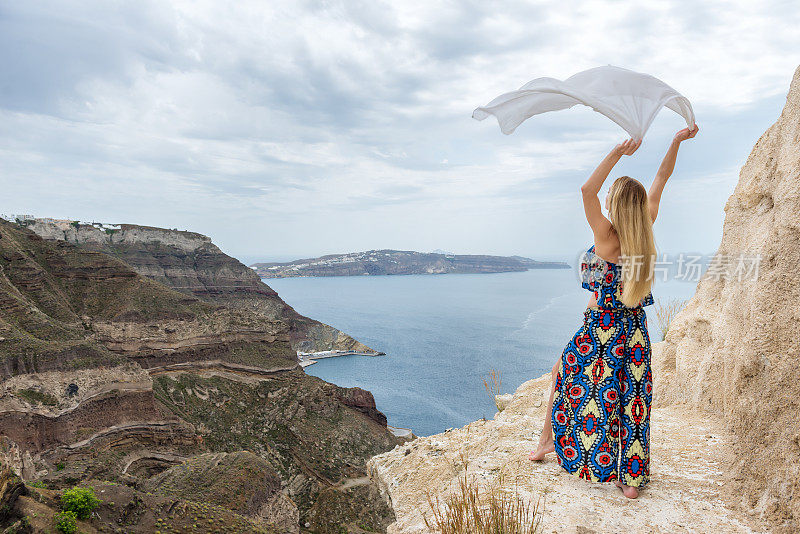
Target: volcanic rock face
point(190, 263)
point(11, 487)
point(240, 481)
point(111, 377)
point(733, 350)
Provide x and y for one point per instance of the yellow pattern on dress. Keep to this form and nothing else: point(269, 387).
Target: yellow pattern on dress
point(637, 370)
point(604, 334)
point(587, 440)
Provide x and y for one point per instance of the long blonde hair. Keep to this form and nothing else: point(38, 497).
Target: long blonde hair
point(630, 218)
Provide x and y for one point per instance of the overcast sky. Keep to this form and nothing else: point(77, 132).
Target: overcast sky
point(295, 129)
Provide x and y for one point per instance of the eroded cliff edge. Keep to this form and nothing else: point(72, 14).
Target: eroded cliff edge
point(725, 440)
point(110, 378)
point(190, 263)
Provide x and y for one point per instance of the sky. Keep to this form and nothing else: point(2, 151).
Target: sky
point(289, 129)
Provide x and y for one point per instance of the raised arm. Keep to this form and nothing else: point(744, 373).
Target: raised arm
point(591, 204)
point(666, 168)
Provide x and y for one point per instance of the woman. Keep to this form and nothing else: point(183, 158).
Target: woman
point(598, 416)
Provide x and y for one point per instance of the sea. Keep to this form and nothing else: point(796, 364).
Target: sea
point(444, 334)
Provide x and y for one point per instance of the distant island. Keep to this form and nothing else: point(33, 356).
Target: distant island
point(390, 262)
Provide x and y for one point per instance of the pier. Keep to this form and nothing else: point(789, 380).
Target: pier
point(401, 432)
point(309, 358)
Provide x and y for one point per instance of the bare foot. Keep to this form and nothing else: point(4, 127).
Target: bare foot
point(629, 491)
point(541, 450)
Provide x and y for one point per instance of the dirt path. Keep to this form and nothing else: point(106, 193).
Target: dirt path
point(683, 496)
point(351, 482)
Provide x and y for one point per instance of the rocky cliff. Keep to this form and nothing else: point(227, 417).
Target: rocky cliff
point(725, 440)
point(733, 350)
point(110, 378)
point(190, 263)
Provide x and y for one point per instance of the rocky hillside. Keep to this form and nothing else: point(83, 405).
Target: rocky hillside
point(725, 440)
point(190, 263)
point(379, 262)
point(733, 349)
point(110, 379)
point(26, 509)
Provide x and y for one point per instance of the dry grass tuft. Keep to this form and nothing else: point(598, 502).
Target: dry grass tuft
point(492, 386)
point(493, 511)
point(665, 313)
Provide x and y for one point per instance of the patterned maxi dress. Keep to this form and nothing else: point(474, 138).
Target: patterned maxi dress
point(604, 386)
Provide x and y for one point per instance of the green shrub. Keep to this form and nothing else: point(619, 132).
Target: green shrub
point(82, 501)
point(38, 484)
point(66, 522)
point(37, 397)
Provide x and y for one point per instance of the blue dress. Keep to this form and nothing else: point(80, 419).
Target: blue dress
point(604, 386)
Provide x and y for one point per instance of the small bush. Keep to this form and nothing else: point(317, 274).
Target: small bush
point(37, 397)
point(82, 501)
point(66, 522)
point(60, 466)
point(38, 484)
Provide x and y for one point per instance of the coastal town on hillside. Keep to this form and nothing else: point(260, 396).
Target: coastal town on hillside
point(399, 262)
point(25, 218)
point(370, 255)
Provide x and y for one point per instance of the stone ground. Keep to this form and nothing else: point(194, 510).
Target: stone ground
point(683, 496)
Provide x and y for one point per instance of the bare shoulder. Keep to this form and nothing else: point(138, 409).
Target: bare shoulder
point(607, 246)
point(602, 226)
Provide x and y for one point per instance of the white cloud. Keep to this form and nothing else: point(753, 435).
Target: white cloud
point(290, 115)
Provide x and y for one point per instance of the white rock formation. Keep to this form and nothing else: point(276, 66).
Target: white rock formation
point(733, 350)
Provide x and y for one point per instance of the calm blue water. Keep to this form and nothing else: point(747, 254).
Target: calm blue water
point(442, 334)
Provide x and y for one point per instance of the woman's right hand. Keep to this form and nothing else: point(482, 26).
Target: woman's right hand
point(686, 133)
point(626, 148)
